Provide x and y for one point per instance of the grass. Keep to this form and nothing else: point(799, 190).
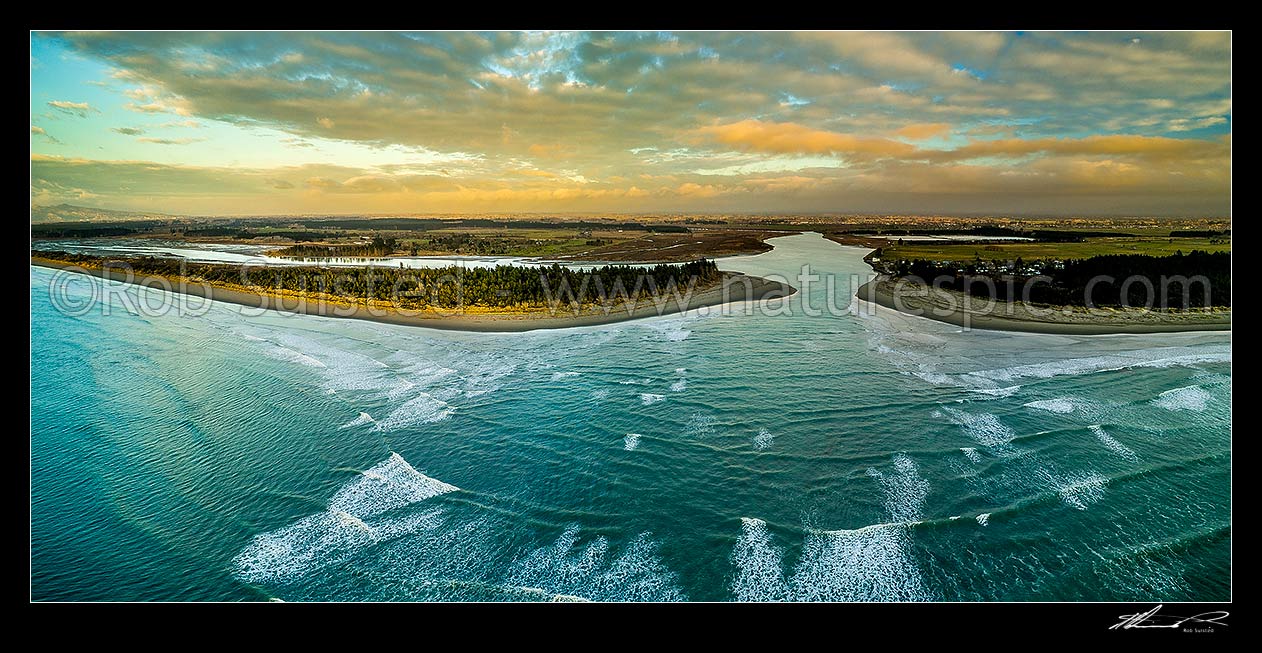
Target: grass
point(531, 242)
point(1151, 246)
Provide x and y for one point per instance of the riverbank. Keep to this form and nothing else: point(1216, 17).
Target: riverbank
point(964, 310)
point(733, 288)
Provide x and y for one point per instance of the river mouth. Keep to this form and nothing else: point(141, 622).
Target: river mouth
point(790, 454)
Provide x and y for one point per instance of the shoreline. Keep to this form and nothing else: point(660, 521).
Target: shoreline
point(735, 287)
point(1061, 320)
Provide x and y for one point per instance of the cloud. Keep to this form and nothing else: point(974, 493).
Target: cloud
point(698, 190)
point(1093, 185)
point(923, 131)
point(169, 141)
point(790, 138)
point(460, 91)
point(883, 52)
point(359, 184)
point(155, 107)
point(531, 172)
point(39, 131)
point(80, 109)
point(192, 124)
point(551, 151)
point(128, 131)
point(1114, 145)
point(150, 99)
point(462, 115)
point(322, 183)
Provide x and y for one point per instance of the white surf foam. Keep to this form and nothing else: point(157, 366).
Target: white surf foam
point(998, 392)
point(345, 370)
point(869, 564)
point(590, 572)
point(1192, 398)
point(1062, 405)
point(419, 372)
point(320, 540)
point(905, 490)
point(559, 376)
point(679, 386)
point(763, 440)
point(971, 454)
point(680, 370)
point(1082, 490)
point(984, 428)
point(1112, 443)
point(631, 441)
point(356, 517)
point(874, 563)
point(364, 418)
point(759, 565)
point(291, 356)
point(676, 334)
point(700, 425)
point(648, 398)
point(983, 518)
point(400, 389)
point(600, 394)
point(1156, 357)
point(422, 409)
point(567, 598)
point(485, 375)
point(390, 484)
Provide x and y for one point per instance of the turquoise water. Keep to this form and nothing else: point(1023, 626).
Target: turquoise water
point(860, 457)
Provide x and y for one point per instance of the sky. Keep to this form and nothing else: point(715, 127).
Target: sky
point(937, 123)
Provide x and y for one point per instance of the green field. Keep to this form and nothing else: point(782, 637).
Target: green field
point(539, 242)
point(1151, 246)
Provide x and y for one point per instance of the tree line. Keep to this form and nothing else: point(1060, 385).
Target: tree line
point(1196, 279)
point(429, 224)
point(502, 286)
point(983, 231)
point(378, 247)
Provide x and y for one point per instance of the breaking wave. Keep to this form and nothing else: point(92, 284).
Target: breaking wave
point(984, 428)
point(356, 518)
point(1112, 443)
point(905, 490)
point(590, 572)
point(1192, 398)
point(421, 409)
point(1052, 405)
point(364, 418)
point(874, 563)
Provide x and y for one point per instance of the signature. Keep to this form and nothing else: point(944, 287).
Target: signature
point(1152, 619)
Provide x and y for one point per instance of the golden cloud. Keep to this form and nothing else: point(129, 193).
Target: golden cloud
point(791, 138)
point(531, 172)
point(923, 131)
point(1153, 147)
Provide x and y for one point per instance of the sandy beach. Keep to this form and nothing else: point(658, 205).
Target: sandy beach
point(964, 310)
point(734, 288)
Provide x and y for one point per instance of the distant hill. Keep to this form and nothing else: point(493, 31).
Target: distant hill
point(72, 213)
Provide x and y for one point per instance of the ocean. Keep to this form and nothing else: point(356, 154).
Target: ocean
point(712, 456)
